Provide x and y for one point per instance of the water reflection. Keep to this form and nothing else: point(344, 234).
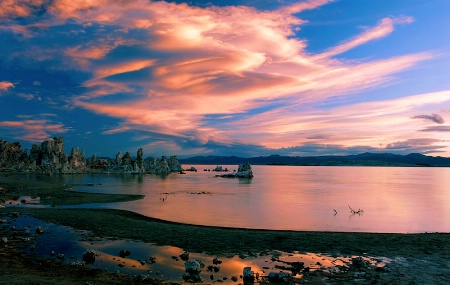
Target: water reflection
point(394, 199)
point(166, 262)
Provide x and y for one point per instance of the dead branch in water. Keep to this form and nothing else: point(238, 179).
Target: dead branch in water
point(359, 212)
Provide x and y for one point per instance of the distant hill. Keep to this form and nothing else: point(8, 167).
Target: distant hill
point(364, 159)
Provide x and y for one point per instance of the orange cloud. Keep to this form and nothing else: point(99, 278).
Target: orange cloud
point(179, 67)
point(5, 85)
point(14, 8)
point(70, 8)
point(33, 130)
point(119, 68)
point(201, 62)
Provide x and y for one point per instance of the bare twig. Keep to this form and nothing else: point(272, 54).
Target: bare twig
point(359, 212)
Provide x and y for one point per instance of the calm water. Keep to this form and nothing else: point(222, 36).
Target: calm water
point(394, 199)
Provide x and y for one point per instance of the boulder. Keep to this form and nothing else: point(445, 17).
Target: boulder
point(218, 168)
point(184, 256)
point(192, 270)
point(358, 261)
point(248, 275)
point(123, 253)
point(39, 230)
point(280, 277)
point(192, 266)
point(89, 257)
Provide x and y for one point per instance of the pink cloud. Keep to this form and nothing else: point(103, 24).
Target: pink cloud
point(14, 8)
point(371, 123)
point(119, 68)
point(32, 130)
point(384, 28)
point(222, 60)
point(195, 62)
point(305, 5)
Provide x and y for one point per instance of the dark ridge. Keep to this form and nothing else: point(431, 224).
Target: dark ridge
point(363, 159)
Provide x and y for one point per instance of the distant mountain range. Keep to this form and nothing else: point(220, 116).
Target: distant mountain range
point(364, 159)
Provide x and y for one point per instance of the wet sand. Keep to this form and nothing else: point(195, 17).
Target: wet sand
point(416, 258)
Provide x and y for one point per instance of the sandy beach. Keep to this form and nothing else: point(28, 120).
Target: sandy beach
point(413, 258)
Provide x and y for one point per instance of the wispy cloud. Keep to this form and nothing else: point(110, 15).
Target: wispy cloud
point(424, 145)
point(372, 124)
point(436, 129)
point(384, 28)
point(304, 5)
point(224, 76)
point(436, 118)
point(33, 130)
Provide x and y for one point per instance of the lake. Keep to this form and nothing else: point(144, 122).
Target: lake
point(317, 198)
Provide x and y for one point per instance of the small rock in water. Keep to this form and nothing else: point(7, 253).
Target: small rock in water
point(39, 230)
point(280, 277)
point(184, 256)
point(192, 266)
point(89, 257)
point(358, 261)
point(124, 253)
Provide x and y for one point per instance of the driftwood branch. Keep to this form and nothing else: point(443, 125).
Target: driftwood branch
point(359, 212)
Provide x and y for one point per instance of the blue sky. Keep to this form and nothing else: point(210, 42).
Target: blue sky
point(244, 78)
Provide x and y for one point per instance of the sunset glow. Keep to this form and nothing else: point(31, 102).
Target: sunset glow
point(243, 78)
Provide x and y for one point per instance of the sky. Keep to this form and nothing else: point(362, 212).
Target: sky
point(237, 77)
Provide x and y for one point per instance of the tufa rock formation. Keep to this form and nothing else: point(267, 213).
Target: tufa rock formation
point(244, 171)
point(50, 158)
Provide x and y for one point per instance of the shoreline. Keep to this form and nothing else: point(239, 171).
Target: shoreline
point(386, 244)
point(414, 258)
point(223, 241)
point(420, 258)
